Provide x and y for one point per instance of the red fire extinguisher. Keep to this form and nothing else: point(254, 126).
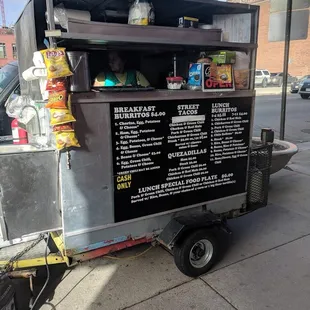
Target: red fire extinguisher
point(19, 134)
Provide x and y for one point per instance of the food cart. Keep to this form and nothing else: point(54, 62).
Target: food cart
point(155, 164)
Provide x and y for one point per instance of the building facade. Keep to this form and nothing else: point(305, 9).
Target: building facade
point(8, 50)
point(270, 54)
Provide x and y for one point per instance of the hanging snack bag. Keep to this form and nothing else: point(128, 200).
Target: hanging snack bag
point(56, 84)
point(63, 128)
point(56, 63)
point(57, 100)
point(65, 140)
point(61, 116)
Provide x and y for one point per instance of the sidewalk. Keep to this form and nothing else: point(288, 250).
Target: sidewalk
point(268, 265)
point(270, 91)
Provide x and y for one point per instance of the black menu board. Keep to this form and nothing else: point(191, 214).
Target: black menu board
point(172, 154)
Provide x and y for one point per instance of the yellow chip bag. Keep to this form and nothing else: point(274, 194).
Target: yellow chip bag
point(61, 116)
point(56, 63)
point(66, 139)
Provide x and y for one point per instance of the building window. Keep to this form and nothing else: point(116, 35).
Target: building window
point(277, 20)
point(2, 50)
point(14, 51)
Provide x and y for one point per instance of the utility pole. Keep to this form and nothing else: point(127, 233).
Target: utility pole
point(3, 13)
point(285, 67)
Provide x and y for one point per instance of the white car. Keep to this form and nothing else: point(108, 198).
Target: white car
point(262, 78)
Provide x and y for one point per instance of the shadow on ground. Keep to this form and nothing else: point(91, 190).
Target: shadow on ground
point(22, 288)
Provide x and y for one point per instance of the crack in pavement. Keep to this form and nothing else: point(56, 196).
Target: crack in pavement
point(218, 293)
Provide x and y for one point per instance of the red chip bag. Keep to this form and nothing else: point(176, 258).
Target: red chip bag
point(63, 128)
point(56, 84)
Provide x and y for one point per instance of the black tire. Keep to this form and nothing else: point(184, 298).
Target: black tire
point(304, 96)
point(264, 83)
point(183, 250)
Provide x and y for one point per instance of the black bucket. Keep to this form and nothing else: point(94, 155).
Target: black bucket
point(7, 294)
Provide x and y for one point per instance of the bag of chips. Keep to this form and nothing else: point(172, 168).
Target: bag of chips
point(57, 100)
point(61, 116)
point(63, 128)
point(66, 139)
point(56, 84)
point(56, 63)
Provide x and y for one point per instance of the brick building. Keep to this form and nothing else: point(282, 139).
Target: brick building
point(8, 50)
point(270, 54)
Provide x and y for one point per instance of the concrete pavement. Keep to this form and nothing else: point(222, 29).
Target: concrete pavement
point(268, 111)
point(270, 90)
point(267, 266)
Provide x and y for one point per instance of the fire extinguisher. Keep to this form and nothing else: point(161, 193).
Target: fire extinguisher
point(19, 134)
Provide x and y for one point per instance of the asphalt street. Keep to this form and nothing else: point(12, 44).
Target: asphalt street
point(267, 114)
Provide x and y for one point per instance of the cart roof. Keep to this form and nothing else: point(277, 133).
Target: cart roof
point(164, 9)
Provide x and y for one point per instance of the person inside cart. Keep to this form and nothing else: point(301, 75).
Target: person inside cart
point(117, 75)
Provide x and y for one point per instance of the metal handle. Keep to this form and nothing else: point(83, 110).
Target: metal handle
point(80, 59)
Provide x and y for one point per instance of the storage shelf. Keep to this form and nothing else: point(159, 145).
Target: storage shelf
point(109, 33)
point(157, 95)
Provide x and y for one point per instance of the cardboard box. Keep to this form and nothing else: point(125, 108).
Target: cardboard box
point(235, 27)
point(188, 22)
point(223, 57)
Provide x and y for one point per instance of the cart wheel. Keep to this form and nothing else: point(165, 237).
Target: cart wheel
point(197, 253)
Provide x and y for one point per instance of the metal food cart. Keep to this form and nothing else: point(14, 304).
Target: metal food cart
point(161, 165)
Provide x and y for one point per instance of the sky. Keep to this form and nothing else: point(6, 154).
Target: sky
point(13, 9)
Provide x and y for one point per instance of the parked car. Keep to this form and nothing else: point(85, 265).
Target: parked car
point(304, 89)
point(9, 84)
point(262, 78)
point(296, 85)
point(277, 79)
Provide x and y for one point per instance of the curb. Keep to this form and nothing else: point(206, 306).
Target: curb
point(271, 93)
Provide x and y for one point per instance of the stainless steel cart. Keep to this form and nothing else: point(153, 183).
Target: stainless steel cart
point(145, 172)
